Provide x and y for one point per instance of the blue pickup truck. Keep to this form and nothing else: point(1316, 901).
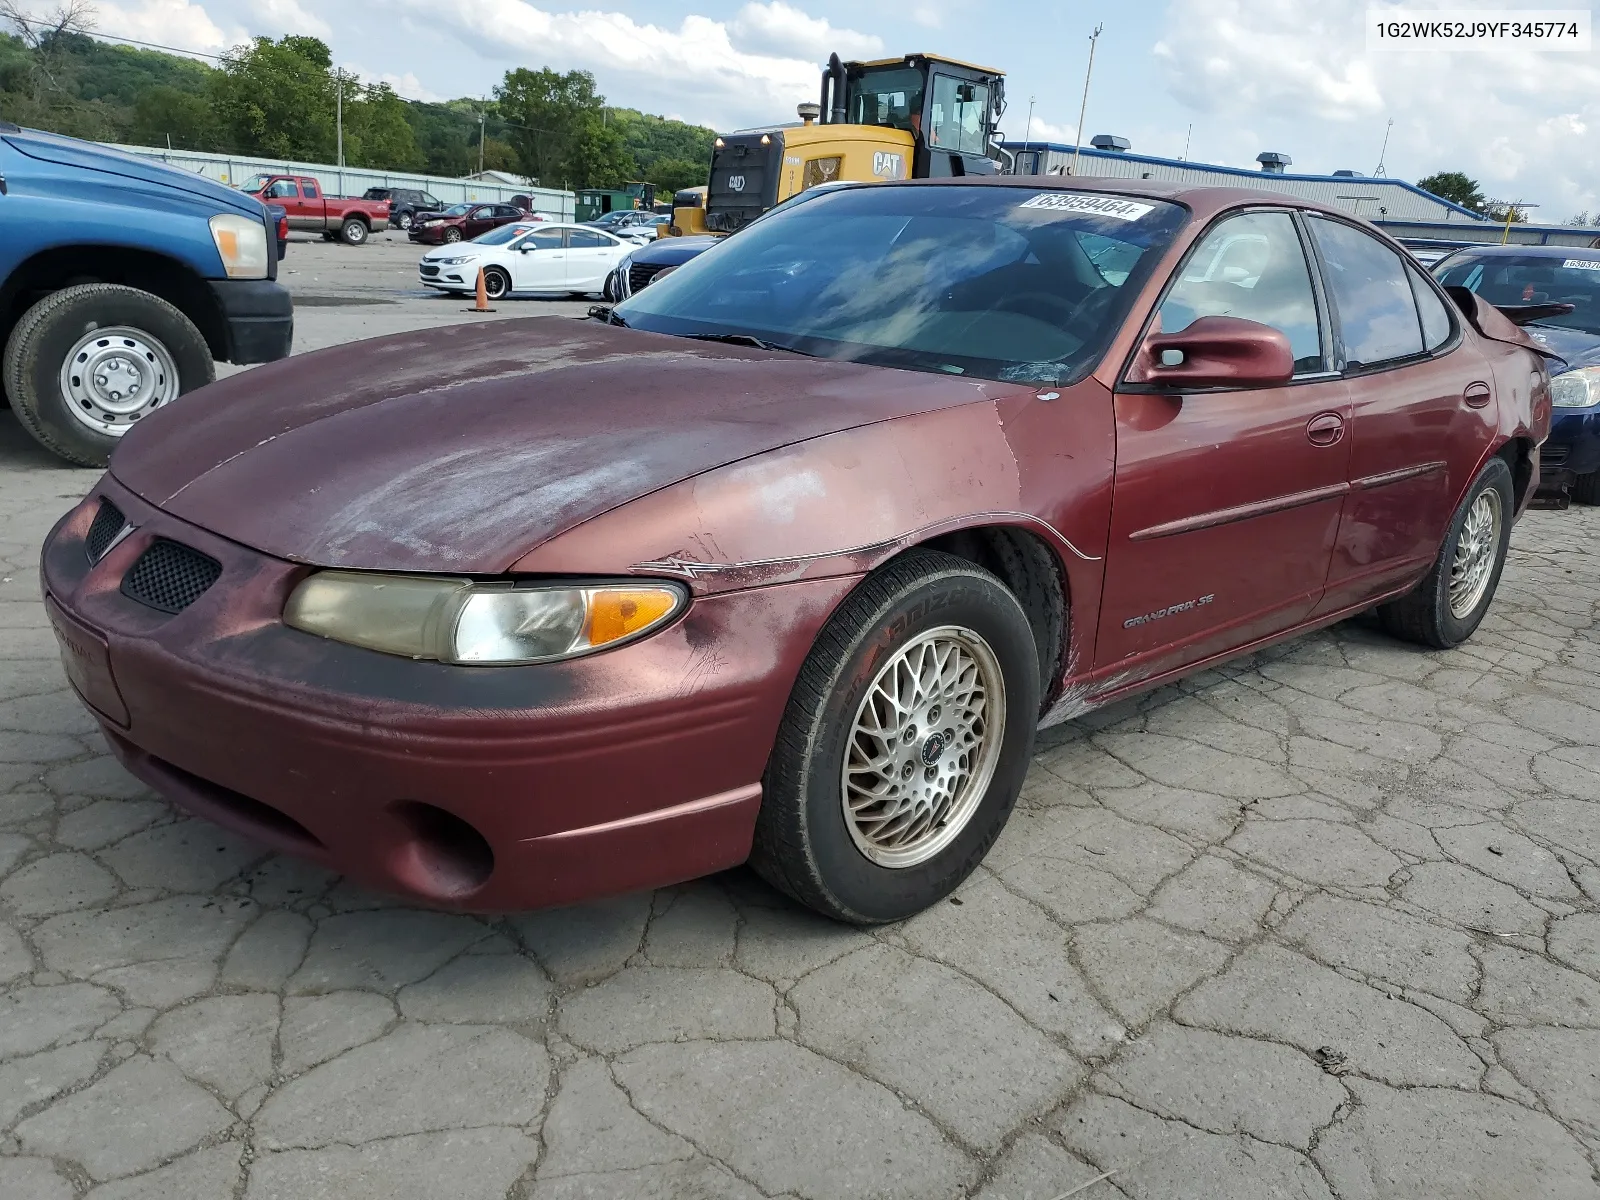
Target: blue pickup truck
point(122, 283)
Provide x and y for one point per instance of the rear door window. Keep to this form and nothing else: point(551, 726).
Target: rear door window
point(1378, 320)
point(311, 190)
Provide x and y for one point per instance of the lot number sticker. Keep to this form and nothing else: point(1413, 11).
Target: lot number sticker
point(1582, 264)
point(1103, 206)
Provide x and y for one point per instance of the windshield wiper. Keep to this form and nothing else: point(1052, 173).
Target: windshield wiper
point(745, 339)
point(599, 312)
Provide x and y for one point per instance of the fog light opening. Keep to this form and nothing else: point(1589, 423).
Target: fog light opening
point(442, 855)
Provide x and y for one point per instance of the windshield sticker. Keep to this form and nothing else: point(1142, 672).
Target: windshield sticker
point(1081, 202)
point(1582, 264)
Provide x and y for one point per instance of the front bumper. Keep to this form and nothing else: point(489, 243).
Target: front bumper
point(1573, 447)
point(258, 315)
point(486, 789)
point(432, 236)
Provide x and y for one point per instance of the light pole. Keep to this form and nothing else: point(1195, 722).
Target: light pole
point(482, 116)
point(1186, 136)
point(339, 112)
point(1077, 140)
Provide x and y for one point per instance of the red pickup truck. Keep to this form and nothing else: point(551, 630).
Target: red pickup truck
point(351, 221)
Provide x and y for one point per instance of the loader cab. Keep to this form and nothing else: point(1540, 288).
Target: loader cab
point(951, 109)
point(901, 118)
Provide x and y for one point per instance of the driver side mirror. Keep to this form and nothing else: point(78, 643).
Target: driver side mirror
point(1215, 352)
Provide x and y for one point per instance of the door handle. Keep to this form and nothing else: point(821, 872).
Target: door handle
point(1476, 395)
point(1325, 429)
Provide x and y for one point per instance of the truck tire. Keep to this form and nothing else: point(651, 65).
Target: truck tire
point(1586, 488)
point(133, 352)
point(354, 231)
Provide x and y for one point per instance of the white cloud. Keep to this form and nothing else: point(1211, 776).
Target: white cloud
point(695, 71)
point(927, 16)
point(286, 16)
point(781, 31)
point(407, 85)
point(175, 23)
point(1037, 130)
point(1278, 74)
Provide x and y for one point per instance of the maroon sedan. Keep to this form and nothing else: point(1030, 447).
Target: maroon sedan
point(785, 559)
point(462, 222)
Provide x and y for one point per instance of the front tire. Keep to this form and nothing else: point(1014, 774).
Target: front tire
point(496, 283)
point(452, 236)
point(1447, 606)
point(353, 232)
point(904, 744)
point(86, 363)
point(405, 222)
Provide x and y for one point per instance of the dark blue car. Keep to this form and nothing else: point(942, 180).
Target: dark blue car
point(1570, 460)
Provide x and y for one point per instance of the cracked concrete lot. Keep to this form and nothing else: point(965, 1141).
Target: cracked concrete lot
point(1324, 923)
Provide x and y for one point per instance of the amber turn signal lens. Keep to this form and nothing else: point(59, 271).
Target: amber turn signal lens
point(616, 613)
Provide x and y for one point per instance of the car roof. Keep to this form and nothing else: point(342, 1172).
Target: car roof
point(1514, 251)
point(1203, 201)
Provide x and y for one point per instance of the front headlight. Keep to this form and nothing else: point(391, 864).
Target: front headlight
point(1576, 389)
point(431, 224)
point(242, 243)
point(456, 261)
point(478, 624)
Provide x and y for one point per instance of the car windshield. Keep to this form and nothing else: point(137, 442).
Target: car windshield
point(255, 183)
point(1533, 279)
point(500, 236)
point(457, 210)
point(996, 282)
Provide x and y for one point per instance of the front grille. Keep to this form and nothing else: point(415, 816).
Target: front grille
point(103, 530)
point(1549, 456)
point(429, 269)
point(639, 274)
point(169, 577)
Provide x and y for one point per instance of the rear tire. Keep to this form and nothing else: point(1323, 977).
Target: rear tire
point(1446, 607)
point(405, 222)
point(496, 283)
point(53, 331)
point(1586, 488)
point(947, 784)
point(353, 232)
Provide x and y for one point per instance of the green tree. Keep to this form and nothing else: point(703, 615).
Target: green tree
point(277, 99)
point(376, 132)
point(560, 129)
point(164, 116)
point(1454, 186)
point(673, 174)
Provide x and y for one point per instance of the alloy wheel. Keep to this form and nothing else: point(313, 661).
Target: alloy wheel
point(1476, 548)
point(923, 747)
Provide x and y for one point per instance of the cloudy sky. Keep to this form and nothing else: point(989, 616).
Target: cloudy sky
point(1248, 75)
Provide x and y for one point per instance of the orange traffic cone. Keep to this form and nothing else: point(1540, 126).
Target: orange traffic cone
point(482, 305)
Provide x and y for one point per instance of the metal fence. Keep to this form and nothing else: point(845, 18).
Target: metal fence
point(234, 169)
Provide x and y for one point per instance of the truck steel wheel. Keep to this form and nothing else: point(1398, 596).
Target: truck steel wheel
point(904, 744)
point(1452, 599)
point(354, 232)
point(87, 363)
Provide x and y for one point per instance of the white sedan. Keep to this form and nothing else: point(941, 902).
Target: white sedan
point(526, 257)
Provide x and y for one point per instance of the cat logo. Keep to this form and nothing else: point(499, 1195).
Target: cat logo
point(736, 183)
point(888, 166)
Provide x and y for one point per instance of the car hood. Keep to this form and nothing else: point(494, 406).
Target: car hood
point(460, 449)
point(1578, 348)
point(71, 152)
point(674, 251)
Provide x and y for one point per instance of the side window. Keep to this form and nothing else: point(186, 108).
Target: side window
point(1377, 313)
point(1436, 323)
point(283, 189)
point(429, 202)
point(311, 191)
point(542, 239)
point(587, 240)
point(482, 214)
point(1251, 266)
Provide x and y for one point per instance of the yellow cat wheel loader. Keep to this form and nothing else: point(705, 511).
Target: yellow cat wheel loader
point(896, 118)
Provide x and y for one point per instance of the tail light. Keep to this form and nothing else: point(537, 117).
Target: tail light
point(283, 228)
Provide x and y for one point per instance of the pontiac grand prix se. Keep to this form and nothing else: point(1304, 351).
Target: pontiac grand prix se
point(786, 558)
